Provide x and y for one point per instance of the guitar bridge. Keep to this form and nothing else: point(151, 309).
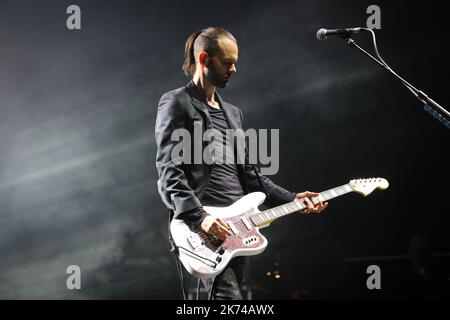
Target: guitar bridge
point(195, 241)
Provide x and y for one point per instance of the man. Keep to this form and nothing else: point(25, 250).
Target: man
point(211, 56)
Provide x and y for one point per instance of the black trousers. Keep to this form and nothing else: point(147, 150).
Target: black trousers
point(228, 284)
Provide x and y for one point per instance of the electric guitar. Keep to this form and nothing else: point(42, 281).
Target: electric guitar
point(205, 256)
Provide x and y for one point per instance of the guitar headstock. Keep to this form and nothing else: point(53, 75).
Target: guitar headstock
point(366, 186)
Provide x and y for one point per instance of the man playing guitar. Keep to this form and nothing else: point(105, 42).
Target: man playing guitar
point(211, 56)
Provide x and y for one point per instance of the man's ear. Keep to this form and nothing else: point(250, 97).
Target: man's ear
point(203, 58)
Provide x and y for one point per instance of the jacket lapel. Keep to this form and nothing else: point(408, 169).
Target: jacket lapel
point(196, 100)
point(200, 106)
point(233, 125)
point(228, 113)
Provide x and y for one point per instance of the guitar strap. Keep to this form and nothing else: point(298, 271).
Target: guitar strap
point(259, 181)
point(174, 249)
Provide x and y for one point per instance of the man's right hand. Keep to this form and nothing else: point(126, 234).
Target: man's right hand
point(216, 227)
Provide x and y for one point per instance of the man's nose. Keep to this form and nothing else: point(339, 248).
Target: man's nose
point(233, 69)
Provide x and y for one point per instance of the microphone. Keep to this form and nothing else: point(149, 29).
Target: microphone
point(323, 33)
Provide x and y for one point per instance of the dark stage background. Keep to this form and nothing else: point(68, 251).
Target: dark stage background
point(77, 172)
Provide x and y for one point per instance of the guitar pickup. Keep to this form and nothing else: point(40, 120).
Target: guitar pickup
point(246, 223)
point(232, 227)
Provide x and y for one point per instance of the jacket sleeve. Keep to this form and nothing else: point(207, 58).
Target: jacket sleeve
point(276, 195)
point(173, 185)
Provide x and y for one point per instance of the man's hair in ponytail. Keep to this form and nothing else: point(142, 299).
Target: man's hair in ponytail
point(203, 40)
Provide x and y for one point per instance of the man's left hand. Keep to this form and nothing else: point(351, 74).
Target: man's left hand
point(311, 208)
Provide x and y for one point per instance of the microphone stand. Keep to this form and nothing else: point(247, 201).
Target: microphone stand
point(429, 104)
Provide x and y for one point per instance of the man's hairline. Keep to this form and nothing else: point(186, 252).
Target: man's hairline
point(222, 37)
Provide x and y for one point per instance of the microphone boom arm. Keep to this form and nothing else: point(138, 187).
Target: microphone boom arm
point(427, 101)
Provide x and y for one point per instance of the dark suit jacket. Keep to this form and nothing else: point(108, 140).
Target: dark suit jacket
point(181, 185)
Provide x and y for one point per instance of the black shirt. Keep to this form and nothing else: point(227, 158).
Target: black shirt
point(224, 186)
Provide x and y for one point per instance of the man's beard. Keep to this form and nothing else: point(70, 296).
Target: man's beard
point(215, 77)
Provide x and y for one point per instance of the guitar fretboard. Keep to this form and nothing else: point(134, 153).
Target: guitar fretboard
point(269, 215)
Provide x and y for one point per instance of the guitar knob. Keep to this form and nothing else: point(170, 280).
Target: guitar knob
point(218, 259)
point(221, 251)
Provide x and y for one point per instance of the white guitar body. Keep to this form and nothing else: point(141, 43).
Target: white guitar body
point(212, 256)
point(204, 256)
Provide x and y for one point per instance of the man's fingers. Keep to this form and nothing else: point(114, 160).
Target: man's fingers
point(222, 227)
point(223, 233)
point(226, 231)
point(314, 208)
point(225, 226)
point(307, 194)
point(306, 200)
point(220, 236)
point(216, 227)
point(321, 206)
point(222, 223)
point(309, 204)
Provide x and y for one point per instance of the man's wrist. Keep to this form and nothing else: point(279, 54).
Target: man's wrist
point(193, 218)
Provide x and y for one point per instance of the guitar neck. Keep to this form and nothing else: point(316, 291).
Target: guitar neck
point(269, 215)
